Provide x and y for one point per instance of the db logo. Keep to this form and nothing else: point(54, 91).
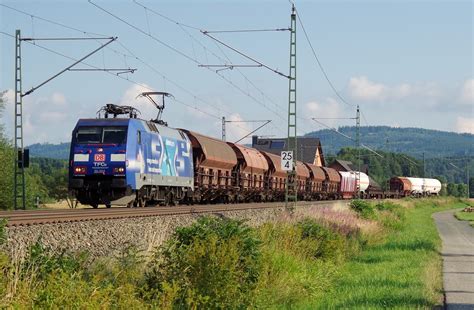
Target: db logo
point(99, 157)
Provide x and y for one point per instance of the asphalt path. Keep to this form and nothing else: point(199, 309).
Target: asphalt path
point(458, 260)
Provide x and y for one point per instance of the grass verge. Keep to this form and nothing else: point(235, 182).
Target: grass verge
point(376, 255)
point(465, 216)
point(403, 271)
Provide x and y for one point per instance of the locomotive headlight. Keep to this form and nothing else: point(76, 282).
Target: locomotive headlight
point(119, 170)
point(80, 170)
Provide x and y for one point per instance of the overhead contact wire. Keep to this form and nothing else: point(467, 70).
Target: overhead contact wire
point(130, 55)
point(320, 65)
point(115, 75)
point(225, 61)
point(173, 49)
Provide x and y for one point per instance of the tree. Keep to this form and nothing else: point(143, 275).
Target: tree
point(444, 191)
point(471, 187)
point(462, 190)
point(34, 185)
point(452, 190)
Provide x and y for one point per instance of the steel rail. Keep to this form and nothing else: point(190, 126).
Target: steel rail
point(33, 217)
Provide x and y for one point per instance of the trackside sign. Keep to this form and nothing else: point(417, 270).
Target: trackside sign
point(286, 160)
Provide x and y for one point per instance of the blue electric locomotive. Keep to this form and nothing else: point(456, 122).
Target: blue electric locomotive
point(129, 161)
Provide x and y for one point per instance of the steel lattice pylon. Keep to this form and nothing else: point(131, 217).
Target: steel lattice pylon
point(19, 179)
point(357, 141)
point(291, 193)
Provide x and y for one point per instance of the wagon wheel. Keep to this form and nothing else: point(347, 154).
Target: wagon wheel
point(169, 201)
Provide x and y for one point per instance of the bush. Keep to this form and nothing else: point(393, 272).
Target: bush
point(363, 208)
point(214, 263)
point(330, 245)
point(386, 206)
point(3, 233)
point(41, 262)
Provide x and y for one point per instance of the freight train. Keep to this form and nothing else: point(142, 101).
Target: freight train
point(133, 162)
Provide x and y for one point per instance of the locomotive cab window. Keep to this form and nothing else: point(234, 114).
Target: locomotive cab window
point(98, 135)
point(115, 135)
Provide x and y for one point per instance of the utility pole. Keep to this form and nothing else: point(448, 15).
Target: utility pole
point(21, 155)
point(223, 128)
point(19, 177)
point(358, 151)
point(424, 173)
point(291, 192)
point(424, 167)
point(468, 181)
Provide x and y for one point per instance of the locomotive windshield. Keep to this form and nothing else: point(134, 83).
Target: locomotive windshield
point(99, 135)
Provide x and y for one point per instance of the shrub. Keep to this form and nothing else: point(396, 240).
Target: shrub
point(363, 208)
point(330, 245)
point(214, 263)
point(4, 262)
point(40, 262)
point(3, 234)
point(386, 206)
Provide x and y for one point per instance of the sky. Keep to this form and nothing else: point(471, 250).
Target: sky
point(405, 63)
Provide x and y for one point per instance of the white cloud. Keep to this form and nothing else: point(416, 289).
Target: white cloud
point(362, 89)
point(235, 131)
point(328, 108)
point(148, 111)
point(58, 99)
point(10, 95)
point(45, 119)
point(467, 93)
point(465, 125)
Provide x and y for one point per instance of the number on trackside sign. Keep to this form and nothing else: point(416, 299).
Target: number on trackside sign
point(287, 160)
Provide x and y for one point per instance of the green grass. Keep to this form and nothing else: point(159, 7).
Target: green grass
point(404, 271)
point(465, 216)
point(382, 255)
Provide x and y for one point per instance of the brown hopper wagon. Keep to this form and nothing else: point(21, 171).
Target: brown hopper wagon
point(249, 174)
point(332, 183)
point(214, 161)
point(275, 178)
point(314, 185)
point(401, 185)
point(302, 175)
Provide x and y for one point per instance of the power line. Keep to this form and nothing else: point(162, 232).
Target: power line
point(206, 33)
point(166, 17)
point(130, 55)
point(115, 75)
point(143, 32)
point(248, 30)
point(179, 53)
point(51, 21)
point(91, 34)
point(320, 65)
point(193, 38)
point(363, 117)
point(345, 136)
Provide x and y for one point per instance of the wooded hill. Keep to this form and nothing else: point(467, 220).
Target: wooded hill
point(410, 141)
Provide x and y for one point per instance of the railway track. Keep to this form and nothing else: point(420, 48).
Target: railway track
point(35, 217)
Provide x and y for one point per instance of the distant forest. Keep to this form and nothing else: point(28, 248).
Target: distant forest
point(48, 150)
point(391, 164)
point(410, 141)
